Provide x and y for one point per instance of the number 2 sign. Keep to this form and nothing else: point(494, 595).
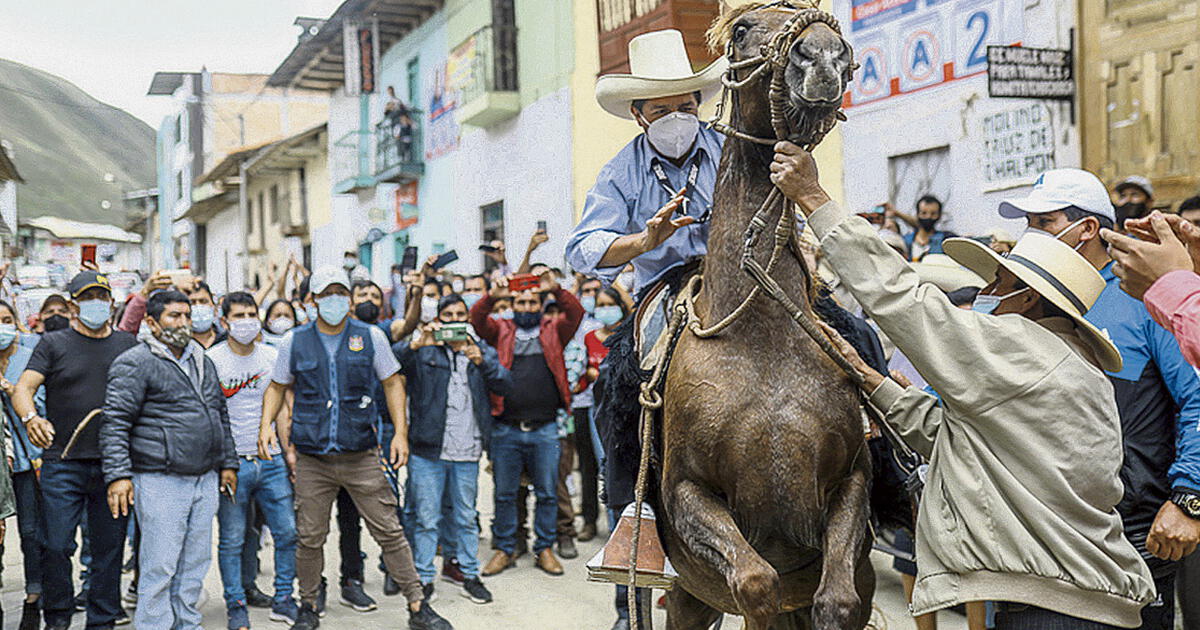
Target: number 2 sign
point(977, 26)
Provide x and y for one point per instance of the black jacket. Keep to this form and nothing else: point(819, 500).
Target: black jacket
point(156, 420)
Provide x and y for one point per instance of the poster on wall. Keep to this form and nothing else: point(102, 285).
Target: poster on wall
point(405, 209)
point(1018, 144)
point(905, 46)
point(445, 91)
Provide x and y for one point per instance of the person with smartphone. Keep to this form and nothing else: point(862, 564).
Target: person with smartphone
point(168, 452)
point(450, 374)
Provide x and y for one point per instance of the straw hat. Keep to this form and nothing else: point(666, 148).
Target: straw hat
point(1050, 267)
point(659, 67)
point(943, 272)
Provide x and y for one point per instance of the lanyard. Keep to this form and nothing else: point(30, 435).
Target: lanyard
point(693, 174)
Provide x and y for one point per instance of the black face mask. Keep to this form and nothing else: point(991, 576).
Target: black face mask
point(927, 224)
point(1129, 211)
point(367, 312)
point(55, 322)
point(527, 320)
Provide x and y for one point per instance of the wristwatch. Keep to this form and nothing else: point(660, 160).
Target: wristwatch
point(1188, 501)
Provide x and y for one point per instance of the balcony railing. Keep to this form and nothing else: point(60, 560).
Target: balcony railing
point(399, 148)
point(350, 161)
point(489, 92)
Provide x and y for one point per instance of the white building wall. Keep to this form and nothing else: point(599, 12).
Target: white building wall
point(225, 262)
point(8, 204)
point(949, 114)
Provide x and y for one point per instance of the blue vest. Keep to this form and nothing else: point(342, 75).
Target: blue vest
point(328, 419)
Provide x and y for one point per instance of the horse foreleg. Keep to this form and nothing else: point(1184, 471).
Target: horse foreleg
point(843, 599)
point(705, 524)
point(685, 612)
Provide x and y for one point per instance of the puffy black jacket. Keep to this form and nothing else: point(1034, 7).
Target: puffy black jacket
point(156, 420)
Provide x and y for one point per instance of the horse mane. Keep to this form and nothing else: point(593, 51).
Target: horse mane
point(718, 34)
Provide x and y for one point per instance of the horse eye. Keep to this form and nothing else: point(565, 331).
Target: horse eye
point(739, 33)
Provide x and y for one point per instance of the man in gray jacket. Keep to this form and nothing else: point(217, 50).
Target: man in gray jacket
point(165, 439)
point(1024, 442)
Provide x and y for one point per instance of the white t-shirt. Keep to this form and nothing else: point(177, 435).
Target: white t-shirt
point(384, 361)
point(244, 381)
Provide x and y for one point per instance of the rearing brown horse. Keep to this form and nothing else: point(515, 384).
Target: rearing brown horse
point(765, 471)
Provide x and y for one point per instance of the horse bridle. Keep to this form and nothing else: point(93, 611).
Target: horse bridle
point(773, 57)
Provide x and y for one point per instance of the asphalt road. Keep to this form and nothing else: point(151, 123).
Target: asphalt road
point(525, 598)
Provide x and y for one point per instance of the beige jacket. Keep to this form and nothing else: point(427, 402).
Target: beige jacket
point(1024, 451)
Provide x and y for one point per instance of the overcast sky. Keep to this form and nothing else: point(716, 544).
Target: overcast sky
point(112, 48)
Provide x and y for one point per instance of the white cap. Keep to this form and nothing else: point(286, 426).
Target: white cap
point(1139, 181)
point(1061, 188)
point(324, 277)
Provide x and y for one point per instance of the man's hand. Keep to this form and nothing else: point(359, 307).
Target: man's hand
point(1173, 534)
point(426, 336)
point(500, 288)
point(120, 497)
point(1141, 263)
point(229, 483)
point(473, 354)
point(497, 255)
point(398, 455)
point(538, 239)
point(794, 172)
point(1184, 230)
point(158, 281)
point(871, 378)
point(661, 226)
point(267, 442)
point(289, 458)
point(40, 431)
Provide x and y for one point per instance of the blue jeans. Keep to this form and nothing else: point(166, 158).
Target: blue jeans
point(71, 489)
point(30, 525)
point(431, 479)
point(408, 518)
point(266, 484)
point(176, 515)
point(537, 452)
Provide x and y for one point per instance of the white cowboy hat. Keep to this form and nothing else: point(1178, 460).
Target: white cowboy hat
point(659, 67)
point(1057, 272)
point(943, 272)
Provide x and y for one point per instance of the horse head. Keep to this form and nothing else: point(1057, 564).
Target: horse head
point(789, 67)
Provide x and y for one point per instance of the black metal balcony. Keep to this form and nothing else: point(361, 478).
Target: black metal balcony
point(399, 149)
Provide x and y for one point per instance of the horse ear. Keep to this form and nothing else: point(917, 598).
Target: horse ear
point(724, 8)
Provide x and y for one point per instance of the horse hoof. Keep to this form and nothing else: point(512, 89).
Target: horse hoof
point(756, 590)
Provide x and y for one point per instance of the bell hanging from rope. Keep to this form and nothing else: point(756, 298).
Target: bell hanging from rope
point(611, 564)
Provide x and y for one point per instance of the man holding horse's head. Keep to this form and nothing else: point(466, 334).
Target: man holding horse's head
point(1020, 502)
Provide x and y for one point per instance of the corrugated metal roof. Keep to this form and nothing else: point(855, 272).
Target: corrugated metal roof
point(165, 83)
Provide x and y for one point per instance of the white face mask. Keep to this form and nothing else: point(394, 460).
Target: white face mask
point(1058, 236)
point(987, 304)
point(280, 325)
point(428, 309)
point(673, 134)
point(244, 331)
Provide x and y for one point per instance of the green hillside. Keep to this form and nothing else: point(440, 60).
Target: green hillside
point(64, 142)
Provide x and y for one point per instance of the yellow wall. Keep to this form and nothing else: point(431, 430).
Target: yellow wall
point(598, 136)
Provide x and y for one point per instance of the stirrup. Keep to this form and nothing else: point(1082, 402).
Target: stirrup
point(611, 564)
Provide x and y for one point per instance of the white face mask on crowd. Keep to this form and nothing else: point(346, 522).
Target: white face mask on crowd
point(1058, 235)
point(429, 309)
point(673, 134)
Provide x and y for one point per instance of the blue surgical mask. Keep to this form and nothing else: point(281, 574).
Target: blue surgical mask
point(95, 313)
point(8, 332)
point(609, 315)
point(333, 308)
point(987, 304)
point(589, 303)
point(471, 299)
point(202, 317)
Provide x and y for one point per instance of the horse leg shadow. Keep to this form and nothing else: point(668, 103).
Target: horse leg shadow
point(705, 524)
point(685, 612)
point(843, 598)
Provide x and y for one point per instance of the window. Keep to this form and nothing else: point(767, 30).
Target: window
point(493, 228)
point(504, 25)
point(915, 175)
point(262, 232)
point(250, 210)
point(303, 198)
point(179, 191)
point(364, 255)
point(179, 129)
point(201, 261)
point(414, 82)
point(275, 204)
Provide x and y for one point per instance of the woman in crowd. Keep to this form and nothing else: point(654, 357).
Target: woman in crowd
point(279, 318)
point(22, 490)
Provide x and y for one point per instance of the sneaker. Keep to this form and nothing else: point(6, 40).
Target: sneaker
point(31, 615)
point(355, 597)
point(390, 586)
point(430, 594)
point(306, 619)
point(256, 598)
point(285, 610)
point(238, 617)
point(131, 596)
point(122, 619)
point(426, 619)
point(324, 590)
point(474, 590)
point(452, 573)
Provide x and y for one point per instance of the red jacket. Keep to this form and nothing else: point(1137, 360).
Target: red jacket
point(554, 335)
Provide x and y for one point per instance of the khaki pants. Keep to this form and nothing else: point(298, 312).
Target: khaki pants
point(318, 479)
point(566, 511)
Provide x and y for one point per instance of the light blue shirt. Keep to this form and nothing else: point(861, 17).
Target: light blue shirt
point(627, 194)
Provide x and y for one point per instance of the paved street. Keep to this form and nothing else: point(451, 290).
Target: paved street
point(525, 598)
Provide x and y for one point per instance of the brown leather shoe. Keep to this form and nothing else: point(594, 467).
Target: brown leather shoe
point(498, 563)
point(548, 563)
point(587, 532)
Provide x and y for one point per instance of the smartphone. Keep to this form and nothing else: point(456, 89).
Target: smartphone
point(87, 254)
point(409, 261)
point(179, 277)
point(541, 226)
point(445, 259)
point(879, 209)
point(524, 282)
point(489, 249)
point(456, 331)
point(227, 490)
